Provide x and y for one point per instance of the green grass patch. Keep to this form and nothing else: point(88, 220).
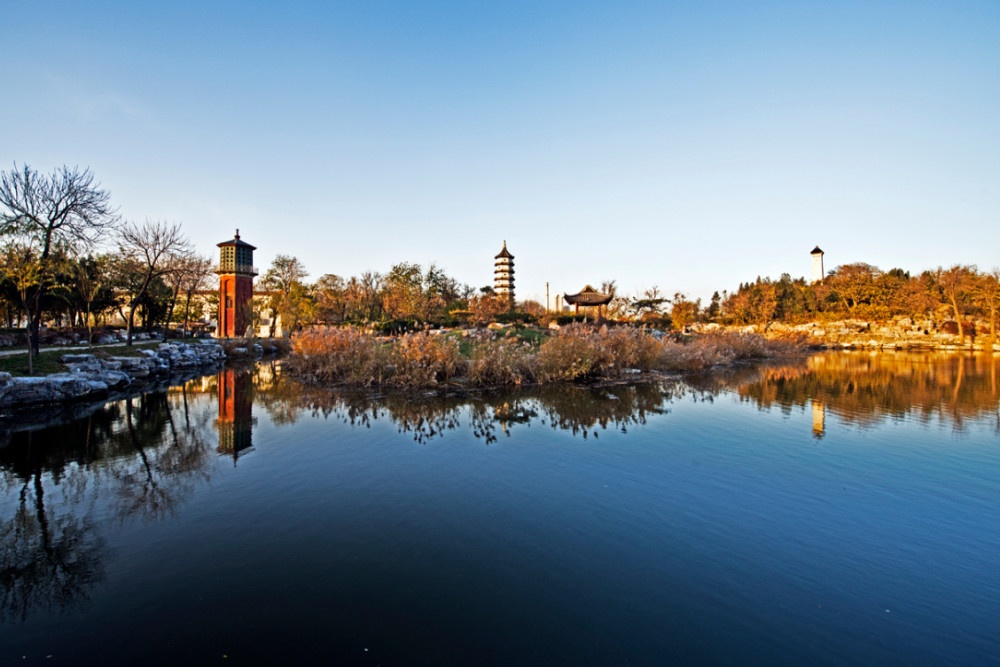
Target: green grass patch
point(48, 361)
point(534, 336)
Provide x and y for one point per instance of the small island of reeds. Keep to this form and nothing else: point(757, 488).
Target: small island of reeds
point(481, 359)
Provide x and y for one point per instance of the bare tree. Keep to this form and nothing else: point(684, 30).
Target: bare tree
point(151, 247)
point(64, 211)
point(198, 274)
point(371, 283)
point(186, 275)
point(618, 307)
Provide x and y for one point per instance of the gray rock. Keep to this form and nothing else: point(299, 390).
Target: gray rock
point(90, 376)
point(76, 358)
point(114, 378)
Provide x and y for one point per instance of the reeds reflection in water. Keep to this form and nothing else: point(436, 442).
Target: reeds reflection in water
point(861, 388)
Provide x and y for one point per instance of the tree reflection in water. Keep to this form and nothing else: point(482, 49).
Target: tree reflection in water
point(580, 410)
point(47, 560)
point(861, 388)
point(864, 389)
point(161, 462)
point(151, 449)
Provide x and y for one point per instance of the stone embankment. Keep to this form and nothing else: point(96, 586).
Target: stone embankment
point(90, 378)
point(898, 334)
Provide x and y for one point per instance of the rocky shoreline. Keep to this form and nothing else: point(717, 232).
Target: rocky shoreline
point(89, 378)
point(898, 334)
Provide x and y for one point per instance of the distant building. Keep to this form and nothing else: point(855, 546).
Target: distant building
point(503, 274)
point(265, 311)
point(236, 272)
point(817, 265)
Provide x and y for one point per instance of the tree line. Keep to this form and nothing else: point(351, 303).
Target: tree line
point(405, 296)
point(961, 294)
point(67, 255)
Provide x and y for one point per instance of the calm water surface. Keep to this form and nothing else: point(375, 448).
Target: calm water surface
point(841, 510)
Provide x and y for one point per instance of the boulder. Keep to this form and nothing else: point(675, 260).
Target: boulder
point(76, 358)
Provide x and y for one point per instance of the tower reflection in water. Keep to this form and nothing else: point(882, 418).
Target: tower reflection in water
point(819, 419)
point(236, 420)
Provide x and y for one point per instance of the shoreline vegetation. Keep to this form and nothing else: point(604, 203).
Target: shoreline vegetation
point(347, 356)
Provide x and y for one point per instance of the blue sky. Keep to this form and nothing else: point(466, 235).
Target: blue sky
point(689, 145)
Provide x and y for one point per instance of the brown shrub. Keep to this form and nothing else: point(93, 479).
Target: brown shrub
point(333, 354)
point(580, 352)
point(500, 363)
point(722, 348)
point(575, 353)
point(629, 348)
point(420, 360)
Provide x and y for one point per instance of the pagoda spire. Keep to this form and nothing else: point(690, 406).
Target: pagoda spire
point(503, 274)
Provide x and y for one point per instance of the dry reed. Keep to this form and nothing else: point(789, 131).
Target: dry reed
point(574, 354)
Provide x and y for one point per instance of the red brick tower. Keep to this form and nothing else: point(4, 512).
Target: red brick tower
point(236, 272)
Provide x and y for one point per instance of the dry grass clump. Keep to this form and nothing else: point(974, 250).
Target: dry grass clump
point(630, 349)
point(502, 363)
point(720, 349)
point(579, 352)
point(420, 360)
point(572, 354)
point(332, 354)
point(345, 355)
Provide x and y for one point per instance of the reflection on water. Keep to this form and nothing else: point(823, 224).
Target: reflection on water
point(136, 459)
point(48, 560)
point(235, 411)
point(865, 389)
point(819, 419)
point(580, 410)
point(140, 460)
point(859, 388)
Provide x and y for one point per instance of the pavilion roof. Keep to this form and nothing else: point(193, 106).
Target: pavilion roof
point(588, 296)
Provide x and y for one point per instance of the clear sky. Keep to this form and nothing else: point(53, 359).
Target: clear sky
point(687, 145)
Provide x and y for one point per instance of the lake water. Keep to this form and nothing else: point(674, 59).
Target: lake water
point(844, 509)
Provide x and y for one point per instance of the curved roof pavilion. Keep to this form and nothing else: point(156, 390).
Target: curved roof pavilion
point(588, 297)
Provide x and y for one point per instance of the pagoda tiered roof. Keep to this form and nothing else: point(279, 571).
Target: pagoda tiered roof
point(504, 253)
